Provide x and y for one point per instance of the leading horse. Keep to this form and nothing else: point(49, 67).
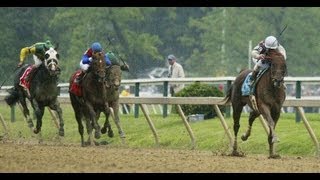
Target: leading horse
point(43, 91)
point(270, 95)
point(92, 100)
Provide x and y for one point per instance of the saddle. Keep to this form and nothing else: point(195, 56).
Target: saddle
point(246, 88)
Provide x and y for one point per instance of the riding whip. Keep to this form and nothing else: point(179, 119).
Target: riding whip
point(110, 43)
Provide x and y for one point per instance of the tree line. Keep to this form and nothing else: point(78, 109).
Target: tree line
point(208, 41)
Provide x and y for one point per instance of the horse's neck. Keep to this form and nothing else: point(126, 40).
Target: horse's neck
point(112, 94)
point(266, 82)
point(44, 77)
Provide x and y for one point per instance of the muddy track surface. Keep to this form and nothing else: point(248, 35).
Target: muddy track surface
point(46, 158)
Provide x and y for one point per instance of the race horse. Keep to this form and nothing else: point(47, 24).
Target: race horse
point(269, 94)
point(43, 90)
point(113, 83)
point(91, 100)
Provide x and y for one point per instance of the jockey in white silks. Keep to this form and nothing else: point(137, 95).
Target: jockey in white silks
point(258, 54)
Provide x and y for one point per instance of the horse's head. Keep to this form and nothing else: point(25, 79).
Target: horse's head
point(98, 66)
point(51, 61)
point(278, 66)
point(114, 73)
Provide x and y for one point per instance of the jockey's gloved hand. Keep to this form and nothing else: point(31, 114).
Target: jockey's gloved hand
point(261, 56)
point(20, 64)
point(125, 67)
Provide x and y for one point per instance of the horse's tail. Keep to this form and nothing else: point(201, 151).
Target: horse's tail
point(13, 97)
point(227, 99)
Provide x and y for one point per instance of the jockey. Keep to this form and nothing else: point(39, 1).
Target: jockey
point(259, 52)
point(114, 60)
point(87, 58)
point(38, 50)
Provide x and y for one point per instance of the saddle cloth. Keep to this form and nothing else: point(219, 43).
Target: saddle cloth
point(23, 81)
point(246, 87)
point(75, 88)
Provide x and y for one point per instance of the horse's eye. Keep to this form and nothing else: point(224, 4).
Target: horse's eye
point(58, 56)
point(46, 55)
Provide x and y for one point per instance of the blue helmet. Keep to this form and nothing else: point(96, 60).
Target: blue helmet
point(96, 47)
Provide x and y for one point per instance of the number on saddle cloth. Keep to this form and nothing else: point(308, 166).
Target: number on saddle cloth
point(246, 87)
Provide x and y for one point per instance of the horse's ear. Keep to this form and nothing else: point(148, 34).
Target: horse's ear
point(56, 47)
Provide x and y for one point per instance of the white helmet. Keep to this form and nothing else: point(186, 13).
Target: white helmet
point(271, 42)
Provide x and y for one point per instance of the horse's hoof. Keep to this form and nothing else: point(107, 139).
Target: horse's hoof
point(237, 154)
point(36, 131)
point(104, 130)
point(110, 133)
point(244, 137)
point(274, 156)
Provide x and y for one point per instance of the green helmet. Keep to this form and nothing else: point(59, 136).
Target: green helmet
point(48, 44)
point(112, 58)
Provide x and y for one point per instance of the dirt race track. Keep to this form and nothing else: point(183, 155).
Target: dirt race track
point(44, 158)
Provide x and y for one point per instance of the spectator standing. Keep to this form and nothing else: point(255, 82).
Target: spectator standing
point(175, 71)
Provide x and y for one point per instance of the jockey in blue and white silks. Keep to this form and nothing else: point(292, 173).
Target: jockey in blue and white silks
point(87, 56)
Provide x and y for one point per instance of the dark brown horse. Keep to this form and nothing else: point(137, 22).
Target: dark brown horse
point(114, 73)
point(93, 99)
point(269, 94)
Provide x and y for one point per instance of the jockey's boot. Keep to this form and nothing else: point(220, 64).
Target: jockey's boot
point(31, 73)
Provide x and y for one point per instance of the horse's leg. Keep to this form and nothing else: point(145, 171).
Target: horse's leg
point(93, 119)
point(26, 111)
point(115, 106)
point(79, 116)
point(89, 131)
point(253, 115)
point(76, 105)
point(107, 125)
point(110, 131)
point(237, 109)
point(57, 108)
point(39, 110)
point(272, 138)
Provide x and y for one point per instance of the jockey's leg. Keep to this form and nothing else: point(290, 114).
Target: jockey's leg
point(254, 73)
point(84, 68)
point(37, 63)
